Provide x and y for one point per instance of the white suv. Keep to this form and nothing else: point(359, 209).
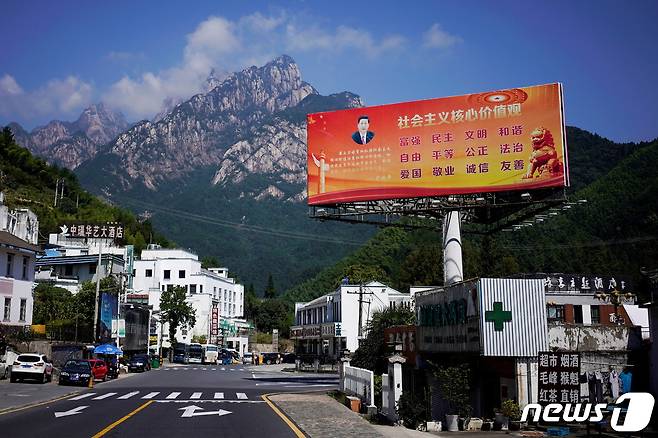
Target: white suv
point(31, 366)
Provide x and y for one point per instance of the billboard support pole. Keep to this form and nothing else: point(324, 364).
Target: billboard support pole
point(98, 285)
point(453, 271)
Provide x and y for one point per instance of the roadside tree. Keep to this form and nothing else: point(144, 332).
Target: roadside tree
point(176, 311)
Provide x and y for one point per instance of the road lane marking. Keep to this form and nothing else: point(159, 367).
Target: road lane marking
point(101, 397)
point(70, 412)
point(290, 424)
point(196, 395)
point(80, 397)
point(172, 396)
point(241, 395)
point(127, 396)
point(219, 395)
point(214, 369)
point(190, 411)
point(150, 395)
point(223, 369)
point(121, 420)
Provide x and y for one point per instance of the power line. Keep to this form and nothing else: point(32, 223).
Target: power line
point(611, 242)
point(239, 226)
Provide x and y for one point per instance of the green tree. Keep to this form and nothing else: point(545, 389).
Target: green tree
point(251, 302)
point(274, 314)
point(454, 387)
point(52, 303)
point(270, 291)
point(209, 262)
point(176, 311)
point(361, 274)
point(372, 352)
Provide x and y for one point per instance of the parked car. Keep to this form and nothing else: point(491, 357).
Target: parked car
point(289, 358)
point(31, 366)
point(99, 369)
point(75, 372)
point(139, 362)
point(247, 358)
point(271, 358)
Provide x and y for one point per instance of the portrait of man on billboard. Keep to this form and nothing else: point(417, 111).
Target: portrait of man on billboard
point(363, 136)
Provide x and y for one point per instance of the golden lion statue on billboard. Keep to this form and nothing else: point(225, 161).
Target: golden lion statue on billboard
point(544, 156)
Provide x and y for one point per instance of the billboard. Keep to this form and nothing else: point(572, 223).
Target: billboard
point(496, 141)
point(108, 313)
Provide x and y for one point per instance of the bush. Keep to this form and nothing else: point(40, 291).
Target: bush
point(413, 410)
point(511, 410)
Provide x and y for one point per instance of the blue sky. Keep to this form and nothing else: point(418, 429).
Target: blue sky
point(58, 57)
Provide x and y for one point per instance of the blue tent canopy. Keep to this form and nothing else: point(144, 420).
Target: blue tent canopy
point(107, 349)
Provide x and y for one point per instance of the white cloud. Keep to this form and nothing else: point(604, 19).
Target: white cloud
point(437, 38)
point(63, 97)
point(343, 38)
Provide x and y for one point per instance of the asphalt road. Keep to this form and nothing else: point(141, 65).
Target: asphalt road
point(191, 400)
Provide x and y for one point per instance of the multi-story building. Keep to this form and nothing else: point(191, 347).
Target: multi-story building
point(329, 324)
point(210, 291)
point(70, 261)
point(18, 248)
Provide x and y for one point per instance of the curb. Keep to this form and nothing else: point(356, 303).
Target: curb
point(289, 421)
point(38, 403)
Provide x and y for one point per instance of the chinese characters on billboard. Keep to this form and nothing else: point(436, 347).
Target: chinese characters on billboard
point(559, 374)
point(496, 141)
point(107, 230)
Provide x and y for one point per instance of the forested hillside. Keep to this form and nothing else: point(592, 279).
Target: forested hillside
point(29, 182)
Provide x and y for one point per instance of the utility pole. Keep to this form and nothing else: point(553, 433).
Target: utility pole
point(361, 292)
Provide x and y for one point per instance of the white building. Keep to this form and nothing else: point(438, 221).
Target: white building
point(330, 324)
point(207, 289)
point(18, 248)
point(73, 260)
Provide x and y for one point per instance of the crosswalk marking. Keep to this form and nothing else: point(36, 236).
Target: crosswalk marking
point(214, 369)
point(219, 395)
point(127, 396)
point(172, 396)
point(80, 397)
point(223, 369)
point(196, 395)
point(241, 395)
point(150, 395)
point(101, 397)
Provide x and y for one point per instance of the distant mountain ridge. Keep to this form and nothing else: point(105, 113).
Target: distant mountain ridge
point(69, 144)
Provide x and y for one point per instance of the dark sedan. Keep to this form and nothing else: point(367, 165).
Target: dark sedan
point(75, 372)
point(139, 362)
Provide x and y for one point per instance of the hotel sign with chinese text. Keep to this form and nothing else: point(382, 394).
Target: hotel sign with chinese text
point(108, 230)
point(504, 140)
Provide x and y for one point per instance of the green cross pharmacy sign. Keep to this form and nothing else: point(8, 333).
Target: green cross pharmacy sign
point(498, 316)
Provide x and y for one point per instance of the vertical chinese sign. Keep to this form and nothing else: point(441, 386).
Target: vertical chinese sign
point(559, 374)
point(497, 141)
point(214, 328)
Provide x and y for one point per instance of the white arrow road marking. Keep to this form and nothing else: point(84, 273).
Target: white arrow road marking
point(219, 395)
point(80, 397)
point(127, 396)
point(241, 395)
point(70, 412)
point(189, 411)
point(150, 395)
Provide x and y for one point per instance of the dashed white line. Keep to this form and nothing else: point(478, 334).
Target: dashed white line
point(241, 395)
point(80, 397)
point(127, 396)
point(101, 397)
point(196, 395)
point(219, 395)
point(172, 396)
point(150, 395)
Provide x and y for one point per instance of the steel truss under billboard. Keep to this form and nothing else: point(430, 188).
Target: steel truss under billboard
point(480, 213)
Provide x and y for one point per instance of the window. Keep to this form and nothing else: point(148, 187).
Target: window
point(25, 262)
point(7, 310)
point(23, 309)
point(148, 273)
point(10, 271)
point(200, 288)
point(167, 274)
point(68, 270)
point(92, 268)
point(555, 313)
point(192, 288)
point(578, 314)
point(181, 274)
point(596, 315)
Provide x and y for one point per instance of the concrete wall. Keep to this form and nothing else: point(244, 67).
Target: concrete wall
point(593, 338)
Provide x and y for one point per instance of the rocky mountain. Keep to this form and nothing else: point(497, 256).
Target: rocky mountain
point(225, 173)
point(68, 144)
